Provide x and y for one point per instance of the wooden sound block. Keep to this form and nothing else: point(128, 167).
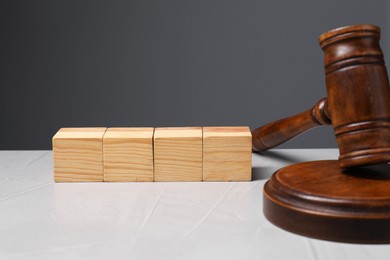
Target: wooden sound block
point(318, 199)
point(178, 154)
point(78, 154)
point(227, 154)
point(128, 154)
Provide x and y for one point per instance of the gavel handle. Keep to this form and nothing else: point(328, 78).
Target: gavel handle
point(278, 132)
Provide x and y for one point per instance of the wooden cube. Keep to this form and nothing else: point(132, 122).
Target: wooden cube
point(78, 154)
point(227, 154)
point(178, 154)
point(128, 154)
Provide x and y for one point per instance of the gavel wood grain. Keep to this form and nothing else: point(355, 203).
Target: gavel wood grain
point(339, 200)
point(358, 100)
point(278, 132)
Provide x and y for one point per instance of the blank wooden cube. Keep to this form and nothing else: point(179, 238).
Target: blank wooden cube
point(78, 154)
point(178, 154)
point(128, 154)
point(227, 154)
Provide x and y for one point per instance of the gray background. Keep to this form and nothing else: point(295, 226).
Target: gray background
point(165, 63)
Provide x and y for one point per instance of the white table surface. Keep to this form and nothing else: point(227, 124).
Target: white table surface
point(40, 219)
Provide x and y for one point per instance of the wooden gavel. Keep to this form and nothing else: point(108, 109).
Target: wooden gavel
point(358, 103)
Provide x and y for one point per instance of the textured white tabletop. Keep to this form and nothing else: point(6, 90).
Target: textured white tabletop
point(40, 219)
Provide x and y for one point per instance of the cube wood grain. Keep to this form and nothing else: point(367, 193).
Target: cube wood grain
point(227, 154)
point(78, 154)
point(178, 154)
point(128, 154)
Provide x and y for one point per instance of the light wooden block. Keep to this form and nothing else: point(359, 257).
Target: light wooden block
point(128, 154)
point(178, 154)
point(78, 154)
point(227, 154)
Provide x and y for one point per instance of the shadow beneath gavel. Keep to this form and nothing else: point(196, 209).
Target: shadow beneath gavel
point(371, 172)
point(271, 161)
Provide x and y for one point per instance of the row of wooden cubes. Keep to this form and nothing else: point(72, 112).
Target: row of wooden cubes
point(152, 154)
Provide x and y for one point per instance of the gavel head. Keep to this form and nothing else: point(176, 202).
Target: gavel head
point(358, 94)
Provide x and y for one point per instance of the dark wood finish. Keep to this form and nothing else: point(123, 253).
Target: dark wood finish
point(318, 199)
point(358, 94)
point(278, 132)
point(336, 200)
point(358, 100)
